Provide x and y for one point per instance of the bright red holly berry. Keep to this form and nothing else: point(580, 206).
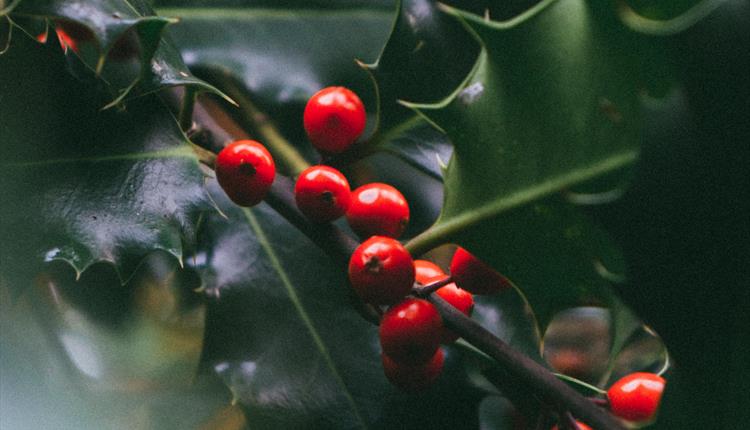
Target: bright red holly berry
point(473, 275)
point(334, 118)
point(636, 397)
point(245, 170)
point(414, 378)
point(581, 426)
point(381, 271)
point(322, 193)
point(425, 270)
point(378, 209)
point(459, 299)
point(410, 331)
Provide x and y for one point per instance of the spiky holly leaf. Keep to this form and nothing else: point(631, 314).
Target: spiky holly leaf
point(427, 56)
point(84, 185)
point(119, 32)
point(552, 102)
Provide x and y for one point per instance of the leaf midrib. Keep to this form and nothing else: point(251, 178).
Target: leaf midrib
point(448, 226)
point(299, 307)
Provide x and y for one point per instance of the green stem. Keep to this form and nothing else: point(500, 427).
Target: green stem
point(580, 383)
point(186, 109)
point(204, 155)
point(274, 141)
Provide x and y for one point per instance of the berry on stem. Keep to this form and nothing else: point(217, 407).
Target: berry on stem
point(636, 397)
point(381, 271)
point(322, 193)
point(414, 378)
point(473, 275)
point(459, 299)
point(334, 118)
point(410, 331)
point(378, 209)
point(425, 271)
point(245, 170)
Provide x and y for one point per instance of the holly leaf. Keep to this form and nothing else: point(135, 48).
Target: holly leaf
point(553, 102)
point(83, 185)
point(120, 32)
point(428, 54)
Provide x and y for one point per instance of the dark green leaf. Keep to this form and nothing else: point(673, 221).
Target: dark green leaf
point(683, 224)
point(553, 102)
point(83, 185)
point(128, 50)
point(420, 145)
point(427, 56)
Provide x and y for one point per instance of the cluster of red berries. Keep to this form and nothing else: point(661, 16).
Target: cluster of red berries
point(382, 272)
point(334, 118)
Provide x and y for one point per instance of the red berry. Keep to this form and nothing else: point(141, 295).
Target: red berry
point(425, 270)
point(378, 209)
point(322, 193)
point(334, 118)
point(475, 276)
point(410, 331)
point(414, 378)
point(245, 170)
point(636, 397)
point(581, 426)
point(459, 299)
point(381, 271)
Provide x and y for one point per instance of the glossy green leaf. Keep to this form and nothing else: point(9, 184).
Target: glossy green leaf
point(427, 56)
point(552, 102)
point(83, 185)
point(128, 52)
